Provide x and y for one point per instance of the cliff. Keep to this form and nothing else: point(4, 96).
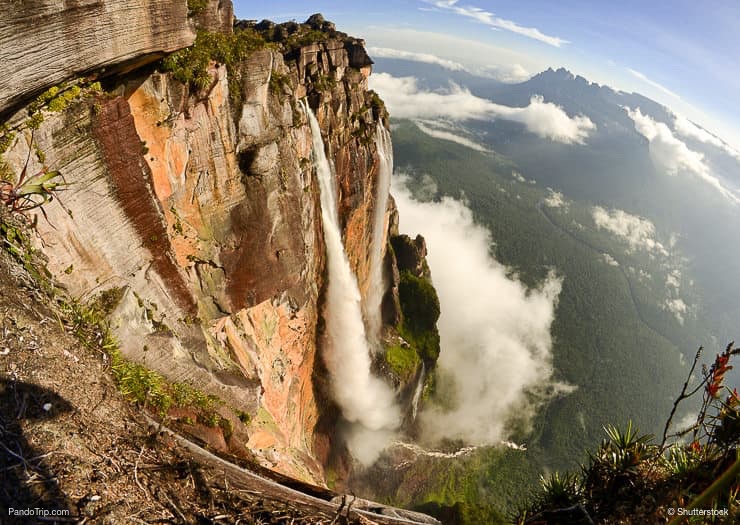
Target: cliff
point(190, 196)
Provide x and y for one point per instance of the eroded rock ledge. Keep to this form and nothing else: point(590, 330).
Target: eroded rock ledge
point(44, 42)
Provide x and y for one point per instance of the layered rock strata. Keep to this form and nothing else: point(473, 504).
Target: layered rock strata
point(205, 214)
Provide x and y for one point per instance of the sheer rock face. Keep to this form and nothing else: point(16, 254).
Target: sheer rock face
point(43, 42)
point(211, 224)
point(216, 15)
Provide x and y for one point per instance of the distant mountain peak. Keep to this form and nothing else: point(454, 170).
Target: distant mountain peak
point(562, 74)
point(559, 74)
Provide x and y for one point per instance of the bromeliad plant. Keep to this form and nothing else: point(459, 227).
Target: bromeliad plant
point(31, 192)
point(631, 479)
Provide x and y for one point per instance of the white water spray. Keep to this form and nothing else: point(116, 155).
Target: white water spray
point(365, 400)
point(419, 451)
point(417, 393)
point(376, 283)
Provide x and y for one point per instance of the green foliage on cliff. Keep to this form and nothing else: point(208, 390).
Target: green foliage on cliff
point(190, 65)
point(304, 38)
point(6, 138)
point(403, 360)
point(146, 387)
point(196, 6)
point(420, 311)
point(137, 383)
point(15, 240)
point(58, 98)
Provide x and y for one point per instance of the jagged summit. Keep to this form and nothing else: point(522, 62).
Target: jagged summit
point(563, 75)
point(292, 35)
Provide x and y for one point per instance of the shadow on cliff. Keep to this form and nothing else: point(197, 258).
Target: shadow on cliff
point(26, 479)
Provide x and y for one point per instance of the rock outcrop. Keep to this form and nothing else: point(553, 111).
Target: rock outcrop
point(43, 42)
point(201, 205)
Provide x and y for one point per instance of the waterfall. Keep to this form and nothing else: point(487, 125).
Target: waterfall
point(376, 286)
point(417, 393)
point(364, 399)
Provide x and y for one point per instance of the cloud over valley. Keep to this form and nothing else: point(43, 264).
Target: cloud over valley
point(672, 154)
point(495, 332)
point(405, 99)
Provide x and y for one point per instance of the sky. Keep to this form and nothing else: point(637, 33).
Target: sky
point(682, 53)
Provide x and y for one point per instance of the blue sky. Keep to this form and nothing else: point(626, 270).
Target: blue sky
point(684, 54)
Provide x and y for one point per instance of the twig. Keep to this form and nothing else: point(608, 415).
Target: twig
point(175, 507)
point(681, 397)
point(339, 510)
point(349, 506)
point(136, 471)
point(23, 460)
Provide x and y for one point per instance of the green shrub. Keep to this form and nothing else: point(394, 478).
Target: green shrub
point(278, 81)
point(305, 38)
point(6, 138)
point(403, 360)
point(140, 384)
point(560, 490)
point(420, 311)
point(419, 302)
point(196, 6)
point(190, 65)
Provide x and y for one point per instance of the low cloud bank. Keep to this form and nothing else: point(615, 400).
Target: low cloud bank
point(688, 129)
point(405, 99)
point(507, 73)
point(495, 333)
point(672, 154)
point(432, 128)
point(427, 58)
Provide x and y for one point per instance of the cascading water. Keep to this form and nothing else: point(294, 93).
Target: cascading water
point(366, 401)
point(376, 284)
point(417, 393)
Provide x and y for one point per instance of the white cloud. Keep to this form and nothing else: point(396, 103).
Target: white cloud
point(518, 176)
point(475, 55)
point(678, 308)
point(495, 22)
point(639, 233)
point(495, 333)
point(659, 87)
point(406, 100)
point(555, 199)
point(673, 279)
point(672, 154)
point(611, 261)
point(427, 58)
point(508, 73)
point(448, 135)
point(688, 129)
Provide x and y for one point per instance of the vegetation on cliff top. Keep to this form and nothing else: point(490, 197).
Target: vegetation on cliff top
point(190, 65)
point(418, 299)
point(420, 311)
point(632, 479)
point(403, 360)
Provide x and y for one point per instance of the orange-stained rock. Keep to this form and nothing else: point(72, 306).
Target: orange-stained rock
point(207, 216)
